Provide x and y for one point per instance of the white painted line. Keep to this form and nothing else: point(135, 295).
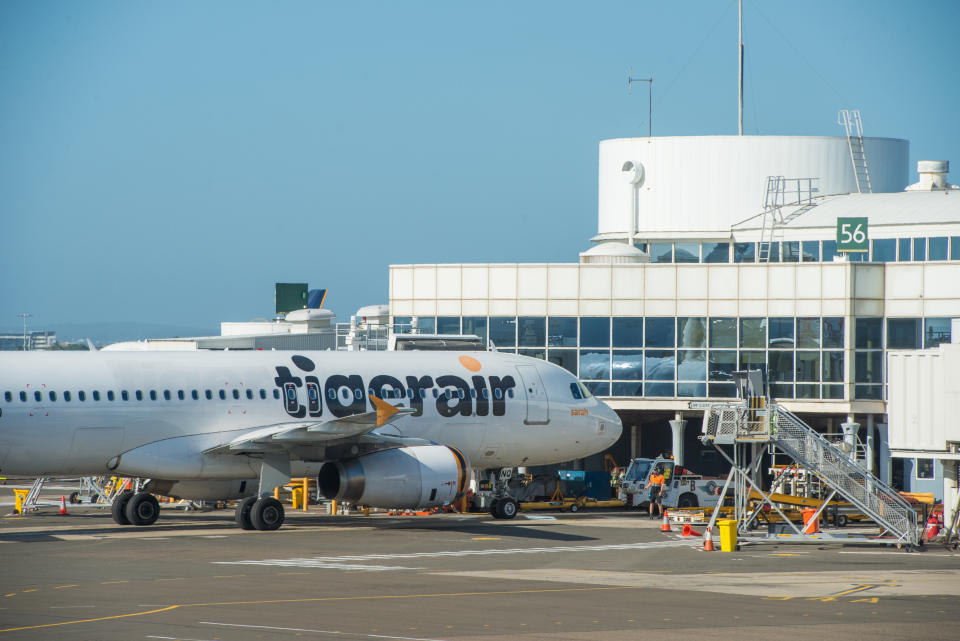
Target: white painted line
point(150, 636)
point(922, 555)
point(65, 607)
point(338, 632)
point(340, 562)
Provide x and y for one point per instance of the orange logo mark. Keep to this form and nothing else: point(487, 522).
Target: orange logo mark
point(578, 412)
point(470, 363)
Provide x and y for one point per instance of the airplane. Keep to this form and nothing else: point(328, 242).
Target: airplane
point(380, 429)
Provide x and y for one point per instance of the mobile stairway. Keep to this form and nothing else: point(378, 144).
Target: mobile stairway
point(753, 425)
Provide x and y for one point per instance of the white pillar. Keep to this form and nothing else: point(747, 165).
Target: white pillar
point(850, 430)
point(677, 426)
point(884, 445)
point(871, 444)
point(634, 441)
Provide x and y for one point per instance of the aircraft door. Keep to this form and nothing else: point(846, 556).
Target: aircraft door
point(538, 412)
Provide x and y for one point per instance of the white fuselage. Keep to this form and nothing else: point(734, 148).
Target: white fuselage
point(80, 413)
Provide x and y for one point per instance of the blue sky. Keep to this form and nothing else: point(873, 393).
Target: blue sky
point(168, 162)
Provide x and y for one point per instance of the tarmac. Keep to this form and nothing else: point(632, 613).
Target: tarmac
point(604, 576)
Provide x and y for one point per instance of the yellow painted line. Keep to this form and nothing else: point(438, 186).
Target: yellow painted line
point(11, 594)
point(116, 616)
point(33, 590)
point(112, 582)
point(859, 588)
point(328, 599)
point(58, 587)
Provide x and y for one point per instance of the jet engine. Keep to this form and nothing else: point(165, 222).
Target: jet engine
point(406, 477)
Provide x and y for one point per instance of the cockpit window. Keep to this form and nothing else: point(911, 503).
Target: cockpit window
point(583, 390)
point(575, 390)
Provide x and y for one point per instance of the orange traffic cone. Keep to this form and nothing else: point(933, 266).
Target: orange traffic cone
point(63, 506)
point(708, 540)
point(665, 526)
point(689, 531)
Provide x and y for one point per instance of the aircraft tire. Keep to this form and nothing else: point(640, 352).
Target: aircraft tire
point(142, 509)
point(506, 508)
point(493, 508)
point(267, 514)
point(118, 509)
point(242, 515)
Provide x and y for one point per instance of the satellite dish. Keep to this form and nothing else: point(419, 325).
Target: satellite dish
point(633, 173)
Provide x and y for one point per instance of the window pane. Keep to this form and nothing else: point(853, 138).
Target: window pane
point(884, 250)
point(781, 390)
point(773, 255)
point(868, 366)
point(811, 250)
point(781, 333)
point(791, 251)
point(868, 392)
point(753, 332)
point(694, 390)
point(903, 249)
point(532, 330)
point(808, 333)
point(904, 333)
point(540, 353)
point(715, 252)
point(925, 468)
point(658, 389)
point(562, 331)
point(781, 366)
point(832, 392)
point(565, 358)
point(598, 389)
point(723, 332)
point(628, 365)
point(628, 332)
point(869, 333)
point(691, 365)
point(628, 389)
point(686, 252)
point(692, 332)
point(427, 324)
point(660, 332)
point(829, 250)
point(744, 252)
point(808, 367)
point(448, 324)
point(955, 248)
point(659, 365)
point(476, 325)
point(722, 390)
point(503, 331)
point(919, 249)
point(808, 391)
point(722, 365)
point(938, 248)
point(594, 332)
point(661, 252)
point(401, 324)
point(832, 332)
point(936, 331)
point(754, 360)
point(594, 364)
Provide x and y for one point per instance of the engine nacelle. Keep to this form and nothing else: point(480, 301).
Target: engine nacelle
point(406, 477)
point(216, 490)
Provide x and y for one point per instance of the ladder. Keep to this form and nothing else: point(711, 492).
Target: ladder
point(850, 120)
point(772, 201)
point(771, 424)
point(30, 503)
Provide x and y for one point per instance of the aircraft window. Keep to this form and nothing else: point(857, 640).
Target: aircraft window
point(208, 394)
point(498, 393)
point(448, 394)
point(263, 394)
point(8, 397)
point(124, 395)
point(435, 393)
point(250, 394)
point(236, 393)
point(459, 393)
point(53, 396)
point(292, 393)
point(110, 395)
point(575, 390)
point(510, 393)
point(358, 394)
point(486, 394)
point(139, 395)
point(312, 393)
point(36, 396)
point(80, 395)
point(223, 395)
point(276, 394)
point(180, 394)
point(23, 397)
point(166, 395)
point(96, 395)
point(332, 393)
point(473, 393)
point(370, 392)
point(409, 393)
point(195, 395)
point(67, 397)
point(423, 393)
point(153, 395)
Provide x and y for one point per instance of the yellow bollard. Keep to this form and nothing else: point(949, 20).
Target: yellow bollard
point(19, 497)
point(728, 535)
point(333, 508)
point(306, 493)
point(297, 497)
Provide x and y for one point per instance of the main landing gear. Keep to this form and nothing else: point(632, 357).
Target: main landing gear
point(259, 513)
point(503, 506)
point(135, 508)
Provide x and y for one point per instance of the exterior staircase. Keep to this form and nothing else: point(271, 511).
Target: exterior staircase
point(850, 120)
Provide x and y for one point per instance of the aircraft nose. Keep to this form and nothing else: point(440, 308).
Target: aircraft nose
point(609, 426)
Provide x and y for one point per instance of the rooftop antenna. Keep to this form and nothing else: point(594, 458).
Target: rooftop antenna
point(24, 316)
point(740, 76)
point(649, 81)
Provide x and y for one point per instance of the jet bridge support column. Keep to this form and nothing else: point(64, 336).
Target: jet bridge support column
point(677, 426)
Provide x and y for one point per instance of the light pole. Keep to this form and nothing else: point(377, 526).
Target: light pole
point(24, 316)
point(649, 81)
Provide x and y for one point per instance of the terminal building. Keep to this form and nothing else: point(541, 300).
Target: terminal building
point(809, 258)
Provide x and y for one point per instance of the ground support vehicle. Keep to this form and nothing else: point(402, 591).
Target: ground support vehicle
point(683, 488)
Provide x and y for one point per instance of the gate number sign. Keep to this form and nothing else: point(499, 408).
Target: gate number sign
point(851, 234)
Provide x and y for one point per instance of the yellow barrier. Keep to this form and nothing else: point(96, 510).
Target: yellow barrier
point(19, 497)
point(728, 535)
point(297, 498)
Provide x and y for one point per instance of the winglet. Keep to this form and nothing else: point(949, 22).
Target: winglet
point(384, 410)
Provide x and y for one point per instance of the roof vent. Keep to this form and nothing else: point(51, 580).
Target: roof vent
point(933, 176)
point(613, 253)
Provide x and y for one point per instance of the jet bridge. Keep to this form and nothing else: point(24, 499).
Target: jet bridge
point(753, 424)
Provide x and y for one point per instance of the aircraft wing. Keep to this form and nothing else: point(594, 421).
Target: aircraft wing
point(305, 433)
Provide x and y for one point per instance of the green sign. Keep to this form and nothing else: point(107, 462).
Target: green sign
point(290, 296)
point(851, 235)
